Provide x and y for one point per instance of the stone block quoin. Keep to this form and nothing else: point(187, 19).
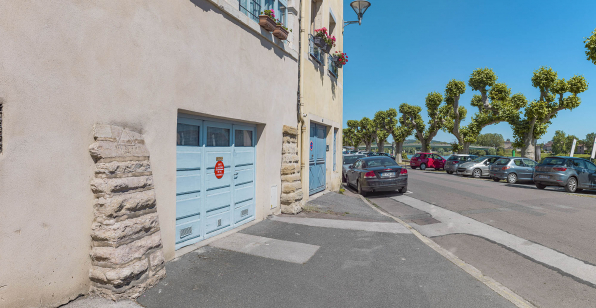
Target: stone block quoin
point(291, 185)
point(126, 252)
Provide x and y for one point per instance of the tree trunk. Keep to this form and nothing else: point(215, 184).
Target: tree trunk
point(424, 148)
point(398, 149)
point(381, 147)
point(529, 147)
point(466, 148)
point(537, 151)
point(368, 146)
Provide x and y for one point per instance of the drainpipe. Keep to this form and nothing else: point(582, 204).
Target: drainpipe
point(302, 125)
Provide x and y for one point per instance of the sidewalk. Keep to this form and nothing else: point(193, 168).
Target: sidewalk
point(338, 265)
point(339, 253)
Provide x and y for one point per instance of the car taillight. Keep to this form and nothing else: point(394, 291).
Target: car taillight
point(560, 169)
point(455, 162)
point(403, 171)
point(505, 168)
point(369, 175)
point(536, 168)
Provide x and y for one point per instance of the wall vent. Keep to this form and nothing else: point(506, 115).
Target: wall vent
point(185, 232)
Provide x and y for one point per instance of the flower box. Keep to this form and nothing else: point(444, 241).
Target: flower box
point(320, 42)
point(336, 61)
point(267, 23)
point(280, 33)
point(327, 48)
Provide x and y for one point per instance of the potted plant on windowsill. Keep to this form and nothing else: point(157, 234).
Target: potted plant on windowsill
point(323, 40)
point(281, 31)
point(340, 58)
point(319, 38)
point(267, 20)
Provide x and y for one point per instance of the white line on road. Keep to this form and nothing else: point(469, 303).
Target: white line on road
point(454, 223)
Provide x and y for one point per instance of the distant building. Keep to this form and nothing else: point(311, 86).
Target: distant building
point(507, 145)
point(580, 148)
point(548, 147)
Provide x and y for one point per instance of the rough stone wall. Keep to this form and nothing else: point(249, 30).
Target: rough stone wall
point(126, 250)
point(291, 186)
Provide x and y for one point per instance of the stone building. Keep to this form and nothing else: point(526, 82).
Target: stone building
point(135, 131)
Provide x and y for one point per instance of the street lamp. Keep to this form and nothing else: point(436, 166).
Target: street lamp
point(360, 7)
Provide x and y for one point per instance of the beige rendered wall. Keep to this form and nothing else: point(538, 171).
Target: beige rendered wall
point(67, 65)
point(322, 93)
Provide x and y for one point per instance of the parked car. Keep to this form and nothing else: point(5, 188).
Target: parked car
point(512, 169)
point(477, 167)
point(427, 160)
point(348, 160)
point(455, 160)
point(387, 155)
point(377, 173)
point(575, 174)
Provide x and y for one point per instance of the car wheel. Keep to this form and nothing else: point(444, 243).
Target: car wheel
point(496, 179)
point(540, 186)
point(423, 167)
point(477, 173)
point(450, 172)
point(403, 190)
point(512, 178)
point(571, 185)
point(360, 191)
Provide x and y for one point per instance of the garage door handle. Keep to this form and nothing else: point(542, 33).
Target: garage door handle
point(236, 175)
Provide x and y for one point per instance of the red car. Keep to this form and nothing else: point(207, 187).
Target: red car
point(427, 160)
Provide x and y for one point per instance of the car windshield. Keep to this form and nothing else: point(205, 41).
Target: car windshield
point(380, 161)
point(348, 160)
point(552, 161)
point(455, 157)
point(480, 159)
point(502, 161)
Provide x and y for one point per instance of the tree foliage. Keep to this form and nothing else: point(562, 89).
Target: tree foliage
point(384, 126)
point(589, 142)
point(490, 140)
point(591, 47)
point(413, 120)
point(537, 116)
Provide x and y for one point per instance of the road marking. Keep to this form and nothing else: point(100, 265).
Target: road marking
point(267, 247)
point(385, 227)
point(474, 272)
point(454, 223)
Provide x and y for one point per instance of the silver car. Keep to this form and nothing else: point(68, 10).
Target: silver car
point(477, 167)
point(575, 174)
point(512, 169)
point(455, 160)
point(348, 160)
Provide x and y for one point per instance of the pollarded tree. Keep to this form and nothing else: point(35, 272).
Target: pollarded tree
point(495, 104)
point(355, 134)
point(539, 113)
point(591, 47)
point(382, 125)
point(348, 137)
point(367, 132)
point(399, 132)
point(457, 113)
point(436, 113)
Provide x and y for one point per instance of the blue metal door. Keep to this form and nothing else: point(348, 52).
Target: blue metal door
point(318, 149)
point(189, 181)
point(244, 174)
point(207, 201)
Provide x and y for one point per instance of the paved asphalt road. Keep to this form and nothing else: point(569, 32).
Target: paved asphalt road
point(561, 276)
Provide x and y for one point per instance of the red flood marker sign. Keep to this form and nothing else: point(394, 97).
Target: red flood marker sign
point(219, 169)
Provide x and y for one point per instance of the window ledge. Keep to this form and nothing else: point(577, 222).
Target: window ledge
point(230, 7)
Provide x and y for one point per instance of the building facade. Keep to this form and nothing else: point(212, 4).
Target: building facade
point(320, 98)
point(178, 110)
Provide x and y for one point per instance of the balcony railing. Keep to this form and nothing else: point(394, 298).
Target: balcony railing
point(250, 8)
point(315, 51)
point(333, 69)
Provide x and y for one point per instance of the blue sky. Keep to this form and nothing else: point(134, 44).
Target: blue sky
point(405, 49)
